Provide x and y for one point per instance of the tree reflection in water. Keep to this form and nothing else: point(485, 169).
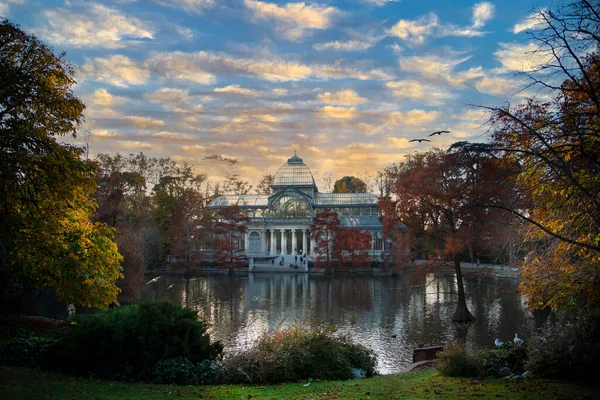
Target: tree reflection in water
point(391, 315)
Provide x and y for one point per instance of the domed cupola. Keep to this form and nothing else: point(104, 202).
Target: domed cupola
point(294, 173)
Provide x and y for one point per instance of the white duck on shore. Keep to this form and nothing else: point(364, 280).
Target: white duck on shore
point(517, 339)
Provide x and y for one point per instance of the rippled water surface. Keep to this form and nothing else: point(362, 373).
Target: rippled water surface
point(390, 315)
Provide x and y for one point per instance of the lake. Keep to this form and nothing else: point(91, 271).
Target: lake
point(391, 315)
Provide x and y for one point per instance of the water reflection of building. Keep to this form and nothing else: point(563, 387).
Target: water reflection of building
point(280, 222)
point(390, 315)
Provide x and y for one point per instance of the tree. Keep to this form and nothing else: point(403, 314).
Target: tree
point(47, 238)
point(557, 145)
point(234, 185)
point(229, 228)
point(349, 184)
point(264, 186)
point(351, 246)
point(323, 229)
point(439, 196)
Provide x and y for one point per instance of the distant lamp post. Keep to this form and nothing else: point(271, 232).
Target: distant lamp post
point(373, 247)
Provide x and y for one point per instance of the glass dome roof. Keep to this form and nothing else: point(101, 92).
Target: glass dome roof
point(294, 173)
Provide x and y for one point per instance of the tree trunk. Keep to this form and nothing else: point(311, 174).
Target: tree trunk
point(462, 313)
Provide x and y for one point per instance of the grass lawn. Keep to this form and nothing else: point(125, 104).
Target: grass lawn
point(21, 383)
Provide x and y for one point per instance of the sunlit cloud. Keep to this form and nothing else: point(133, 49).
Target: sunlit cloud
point(173, 136)
point(201, 66)
point(399, 143)
point(193, 148)
point(169, 96)
point(249, 122)
point(495, 86)
point(337, 112)
point(412, 117)
point(416, 91)
point(532, 22)
point(380, 3)
point(93, 26)
point(516, 57)
point(235, 89)
point(346, 97)
point(144, 122)
point(191, 6)
point(5, 5)
point(416, 32)
point(116, 70)
point(133, 145)
point(442, 68)
point(482, 13)
point(179, 66)
point(103, 98)
point(294, 20)
point(184, 32)
point(348, 45)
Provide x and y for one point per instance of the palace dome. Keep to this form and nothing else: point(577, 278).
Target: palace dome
point(294, 173)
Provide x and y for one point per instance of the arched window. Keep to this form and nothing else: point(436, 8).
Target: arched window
point(254, 242)
point(258, 213)
point(290, 206)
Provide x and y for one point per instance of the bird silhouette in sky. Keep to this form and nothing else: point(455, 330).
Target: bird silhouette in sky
point(219, 157)
point(439, 133)
point(419, 140)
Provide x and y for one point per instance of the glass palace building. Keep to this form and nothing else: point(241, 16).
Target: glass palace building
point(280, 222)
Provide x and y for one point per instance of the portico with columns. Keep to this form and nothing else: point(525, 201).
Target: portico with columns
point(279, 223)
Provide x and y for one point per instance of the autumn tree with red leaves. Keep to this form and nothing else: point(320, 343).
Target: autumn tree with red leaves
point(439, 197)
point(323, 229)
point(351, 247)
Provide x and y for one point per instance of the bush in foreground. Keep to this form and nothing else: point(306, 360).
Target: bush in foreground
point(129, 342)
point(510, 355)
point(569, 351)
point(456, 360)
point(298, 353)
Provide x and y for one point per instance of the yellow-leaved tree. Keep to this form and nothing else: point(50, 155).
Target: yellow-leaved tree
point(557, 145)
point(47, 238)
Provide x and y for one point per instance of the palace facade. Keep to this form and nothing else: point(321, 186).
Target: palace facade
point(280, 222)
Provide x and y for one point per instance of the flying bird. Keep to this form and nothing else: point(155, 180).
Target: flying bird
point(154, 280)
point(170, 286)
point(439, 133)
point(419, 140)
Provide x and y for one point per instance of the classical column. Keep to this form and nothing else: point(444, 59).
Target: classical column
point(294, 242)
point(272, 244)
point(263, 241)
point(282, 241)
point(304, 240)
point(246, 241)
point(312, 248)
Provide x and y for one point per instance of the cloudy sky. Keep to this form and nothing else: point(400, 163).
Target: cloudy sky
point(345, 83)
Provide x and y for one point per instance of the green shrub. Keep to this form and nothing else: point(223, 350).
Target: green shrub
point(568, 351)
point(510, 355)
point(298, 353)
point(181, 371)
point(456, 360)
point(25, 351)
point(10, 329)
point(128, 342)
